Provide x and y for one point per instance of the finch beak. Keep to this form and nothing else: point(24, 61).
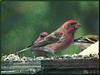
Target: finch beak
point(77, 25)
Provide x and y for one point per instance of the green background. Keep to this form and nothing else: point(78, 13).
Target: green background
point(22, 21)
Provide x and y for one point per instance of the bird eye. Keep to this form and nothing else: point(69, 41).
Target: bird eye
point(72, 25)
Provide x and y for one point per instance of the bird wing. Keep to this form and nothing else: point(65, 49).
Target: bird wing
point(87, 39)
point(92, 38)
point(51, 38)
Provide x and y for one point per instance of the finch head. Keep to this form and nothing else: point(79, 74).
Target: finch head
point(71, 25)
point(43, 34)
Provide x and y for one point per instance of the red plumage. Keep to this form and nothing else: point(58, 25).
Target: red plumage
point(57, 40)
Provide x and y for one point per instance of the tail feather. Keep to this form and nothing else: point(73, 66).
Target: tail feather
point(25, 49)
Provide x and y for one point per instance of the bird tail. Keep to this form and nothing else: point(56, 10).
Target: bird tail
point(23, 50)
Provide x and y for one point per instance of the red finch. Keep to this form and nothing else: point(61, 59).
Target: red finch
point(86, 41)
point(57, 40)
point(41, 37)
point(37, 51)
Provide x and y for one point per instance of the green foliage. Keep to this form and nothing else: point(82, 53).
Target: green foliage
point(71, 50)
point(22, 21)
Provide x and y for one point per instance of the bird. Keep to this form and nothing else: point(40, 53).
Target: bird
point(85, 41)
point(40, 37)
point(57, 40)
point(37, 52)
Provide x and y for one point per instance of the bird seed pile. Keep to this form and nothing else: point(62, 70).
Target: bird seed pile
point(13, 57)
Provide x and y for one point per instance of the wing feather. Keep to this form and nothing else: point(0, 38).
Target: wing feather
point(51, 38)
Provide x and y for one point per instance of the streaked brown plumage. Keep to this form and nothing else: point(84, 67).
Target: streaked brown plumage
point(86, 41)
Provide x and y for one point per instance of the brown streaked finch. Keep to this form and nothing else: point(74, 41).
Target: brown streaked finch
point(37, 52)
point(40, 37)
point(85, 41)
